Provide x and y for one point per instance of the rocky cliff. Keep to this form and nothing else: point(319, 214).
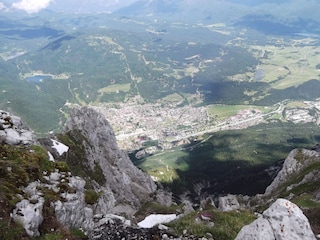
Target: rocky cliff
point(85, 180)
point(123, 187)
point(297, 181)
point(72, 184)
point(13, 130)
point(295, 162)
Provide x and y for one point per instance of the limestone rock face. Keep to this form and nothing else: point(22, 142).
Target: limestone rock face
point(282, 220)
point(295, 161)
point(73, 211)
point(228, 203)
point(29, 215)
point(13, 131)
point(125, 187)
point(164, 198)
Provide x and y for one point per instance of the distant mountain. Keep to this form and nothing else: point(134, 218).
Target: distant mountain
point(88, 6)
point(219, 10)
point(151, 7)
point(188, 11)
point(256, 3)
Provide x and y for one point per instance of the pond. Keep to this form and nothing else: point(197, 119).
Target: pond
point(38, 78)
point(259, 75)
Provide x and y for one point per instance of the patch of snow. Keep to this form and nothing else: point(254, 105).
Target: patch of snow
point(51, 158)
point(155, 219)
point(60, 147)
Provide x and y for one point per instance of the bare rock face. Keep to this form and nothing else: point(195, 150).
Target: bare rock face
point(228, 203)
point(295, 161)
point(73, 210)
point(13, 131)
point(124, 187)
point(29, 214)
point(282, 220)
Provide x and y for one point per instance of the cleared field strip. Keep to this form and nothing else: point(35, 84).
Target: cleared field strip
point(288, 66)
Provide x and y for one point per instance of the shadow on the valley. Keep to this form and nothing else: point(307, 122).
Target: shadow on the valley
point(220, 168)
point(237, 161)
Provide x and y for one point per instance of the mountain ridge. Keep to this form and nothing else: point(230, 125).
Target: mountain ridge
point(81, 202)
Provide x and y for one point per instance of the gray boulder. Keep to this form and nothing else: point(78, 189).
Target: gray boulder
point(228, 203)
point(164, 197)
point(13, 131)
point(282, 220)
point(29, 215)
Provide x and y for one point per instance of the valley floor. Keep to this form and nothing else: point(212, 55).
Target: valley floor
point(171, 126)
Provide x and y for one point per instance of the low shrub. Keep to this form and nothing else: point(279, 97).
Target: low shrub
point(91, 196)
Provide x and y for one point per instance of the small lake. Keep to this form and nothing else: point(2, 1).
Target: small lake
point(259, 75)
point(37, 78)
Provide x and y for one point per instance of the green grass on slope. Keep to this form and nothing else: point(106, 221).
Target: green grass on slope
point(18, 167)
point(226, 224)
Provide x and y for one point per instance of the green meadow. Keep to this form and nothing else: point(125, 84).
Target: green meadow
point(290, 65)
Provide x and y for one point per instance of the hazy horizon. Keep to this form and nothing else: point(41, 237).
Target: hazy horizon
point(292, 8)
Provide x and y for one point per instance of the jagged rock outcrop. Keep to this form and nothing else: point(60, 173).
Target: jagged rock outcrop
point(70, 209)
point(110, 184)
point(29, 214)
point(282, 220)
point(228, 203)
point(295, 161)
point(123, 186)
point(13, 130)
point(164, 197)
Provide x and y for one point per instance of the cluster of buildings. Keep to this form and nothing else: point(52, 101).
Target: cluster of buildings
point(136, 124)
point(166, 126)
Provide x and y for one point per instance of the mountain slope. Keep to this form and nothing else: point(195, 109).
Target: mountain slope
point(125, 187)
point(297, 181)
